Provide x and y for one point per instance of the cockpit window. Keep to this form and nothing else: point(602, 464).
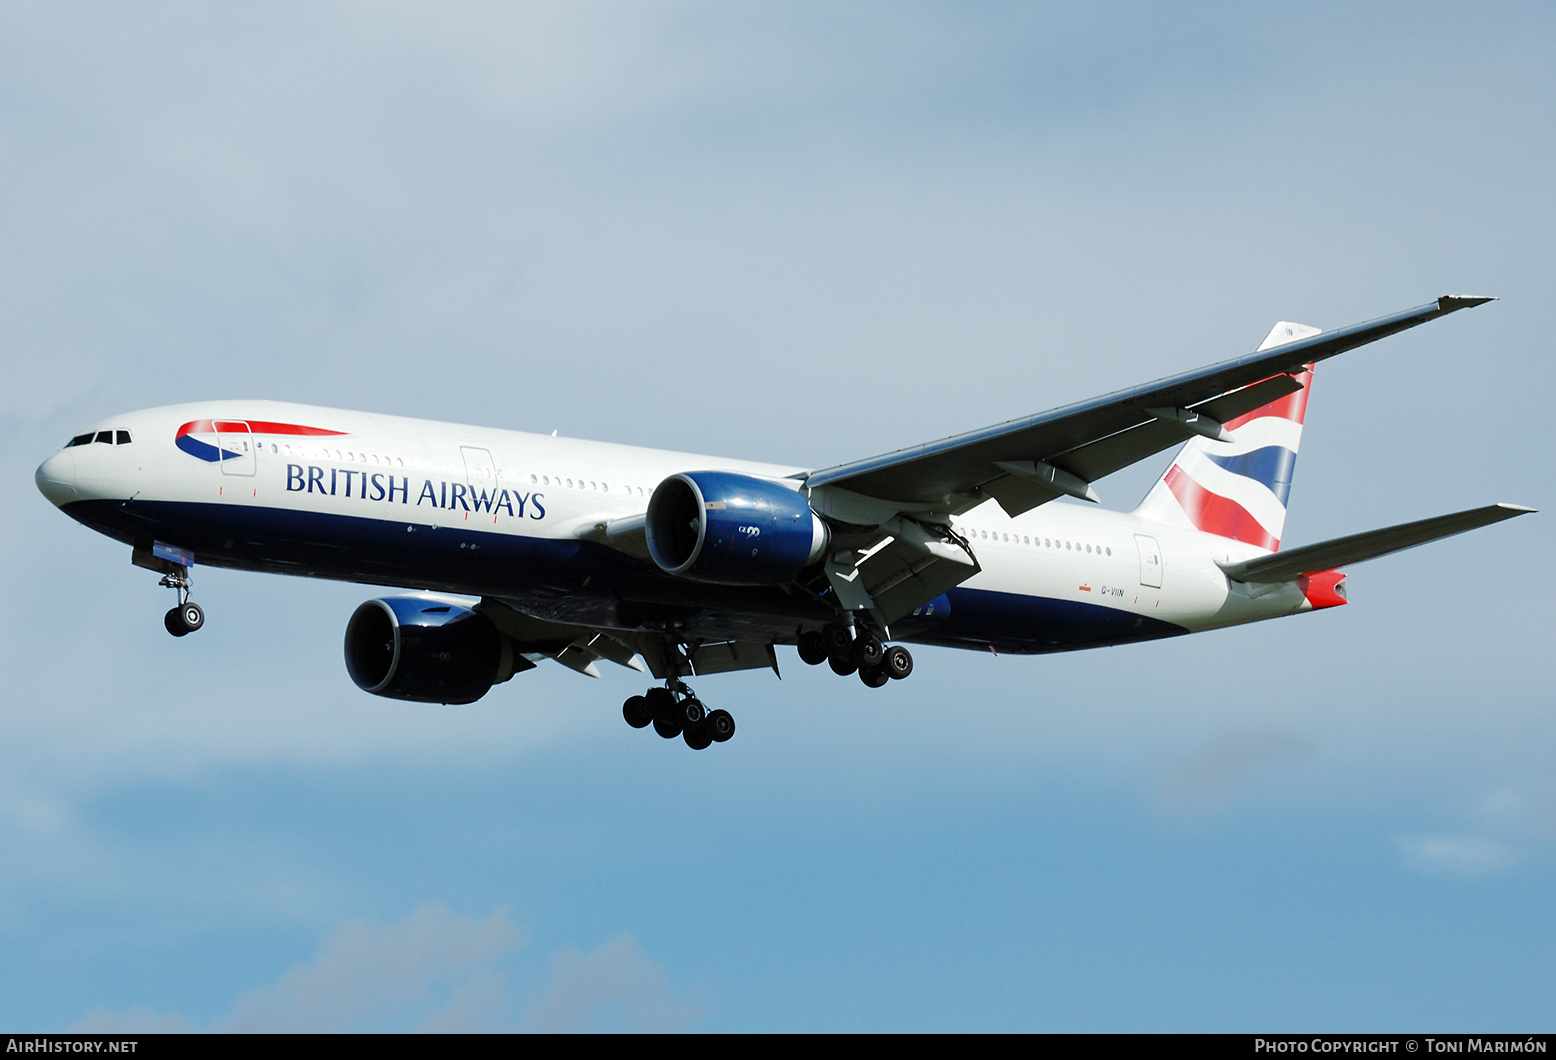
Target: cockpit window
point(121, 437)
point(81, 439)
point(105, 436)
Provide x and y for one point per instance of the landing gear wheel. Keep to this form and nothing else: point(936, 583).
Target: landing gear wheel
point(873, 678)
point(720, 725)
point(692, 713)
point(184, 619)
point(897, 663)
point(668, 729)
point(174, 621)
point(661, 703)
point(697, 737)
point(636, 711)
point(813, 648)
point(838, 640)
point(842, 665)
point(867, 651)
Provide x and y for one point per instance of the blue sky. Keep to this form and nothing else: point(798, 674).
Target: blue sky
point(799, 233)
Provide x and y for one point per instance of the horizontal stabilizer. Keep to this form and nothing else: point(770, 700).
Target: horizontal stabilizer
point(1326, 555)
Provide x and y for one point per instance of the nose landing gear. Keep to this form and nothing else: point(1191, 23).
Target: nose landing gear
point(188, 616)
point(675, 711)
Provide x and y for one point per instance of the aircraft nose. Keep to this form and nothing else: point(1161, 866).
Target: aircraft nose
point(56, 478)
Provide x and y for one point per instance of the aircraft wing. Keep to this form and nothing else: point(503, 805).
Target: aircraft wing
point(896, 549)
point(581, 647)
point(1327, 555)
point(1026, 462)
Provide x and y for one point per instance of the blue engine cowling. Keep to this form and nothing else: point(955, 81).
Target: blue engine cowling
point(425, 650)
point(719, 526)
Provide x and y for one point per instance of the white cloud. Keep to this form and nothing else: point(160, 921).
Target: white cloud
point(368, 977)
point(137, 1020)
point(1457, 855)
point(367, 970)
point(615, 988)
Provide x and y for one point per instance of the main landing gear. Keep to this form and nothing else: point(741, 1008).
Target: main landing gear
point(840, 648)
point(187, 616)
point(676, 711)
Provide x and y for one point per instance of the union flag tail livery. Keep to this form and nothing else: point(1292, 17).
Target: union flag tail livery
point(1239, 489)
point(685, 566)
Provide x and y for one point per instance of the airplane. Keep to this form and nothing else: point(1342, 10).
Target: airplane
point(686, 566)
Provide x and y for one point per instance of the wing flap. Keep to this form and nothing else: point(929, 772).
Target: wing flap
point(1326, 555)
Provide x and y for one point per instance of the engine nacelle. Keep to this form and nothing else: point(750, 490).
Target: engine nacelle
point(409, 647)
point(719, 526)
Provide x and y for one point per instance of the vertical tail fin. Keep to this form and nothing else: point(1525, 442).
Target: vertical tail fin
point(1238, 489)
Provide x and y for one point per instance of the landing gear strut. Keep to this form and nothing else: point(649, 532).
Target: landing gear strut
point(188, 615)
point(676, 711)
point(849, 652)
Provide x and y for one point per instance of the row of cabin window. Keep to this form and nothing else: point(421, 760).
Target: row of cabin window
point(598, 487)
point(349, 457)
point(106, 437)
point(1043, 542)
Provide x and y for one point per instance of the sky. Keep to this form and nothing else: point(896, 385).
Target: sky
point(803, 233)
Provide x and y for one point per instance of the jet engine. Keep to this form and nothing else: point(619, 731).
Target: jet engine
point(732, 529)
point(425, 650)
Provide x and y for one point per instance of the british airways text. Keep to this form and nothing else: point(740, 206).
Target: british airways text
point(380, 487)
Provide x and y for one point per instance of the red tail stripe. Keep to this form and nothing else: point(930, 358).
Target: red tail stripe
point(1215, 514)
point(1291, 407)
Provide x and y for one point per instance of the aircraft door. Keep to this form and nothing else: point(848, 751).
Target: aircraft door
point(1150, 561)
point(236, 443)
point(481, 475)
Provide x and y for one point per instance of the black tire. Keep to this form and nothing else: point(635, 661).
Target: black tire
point(692, 713)
point(720, 725)
point(868, 651)
point(635, 710)
point(668, 729)
point(873, 678)
point(661, 703)
point(813, 648)
point(838, 640)
point(173, 621)
point(842, 665)
point(697, 737)
point(897, 663)
point(191, 616)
